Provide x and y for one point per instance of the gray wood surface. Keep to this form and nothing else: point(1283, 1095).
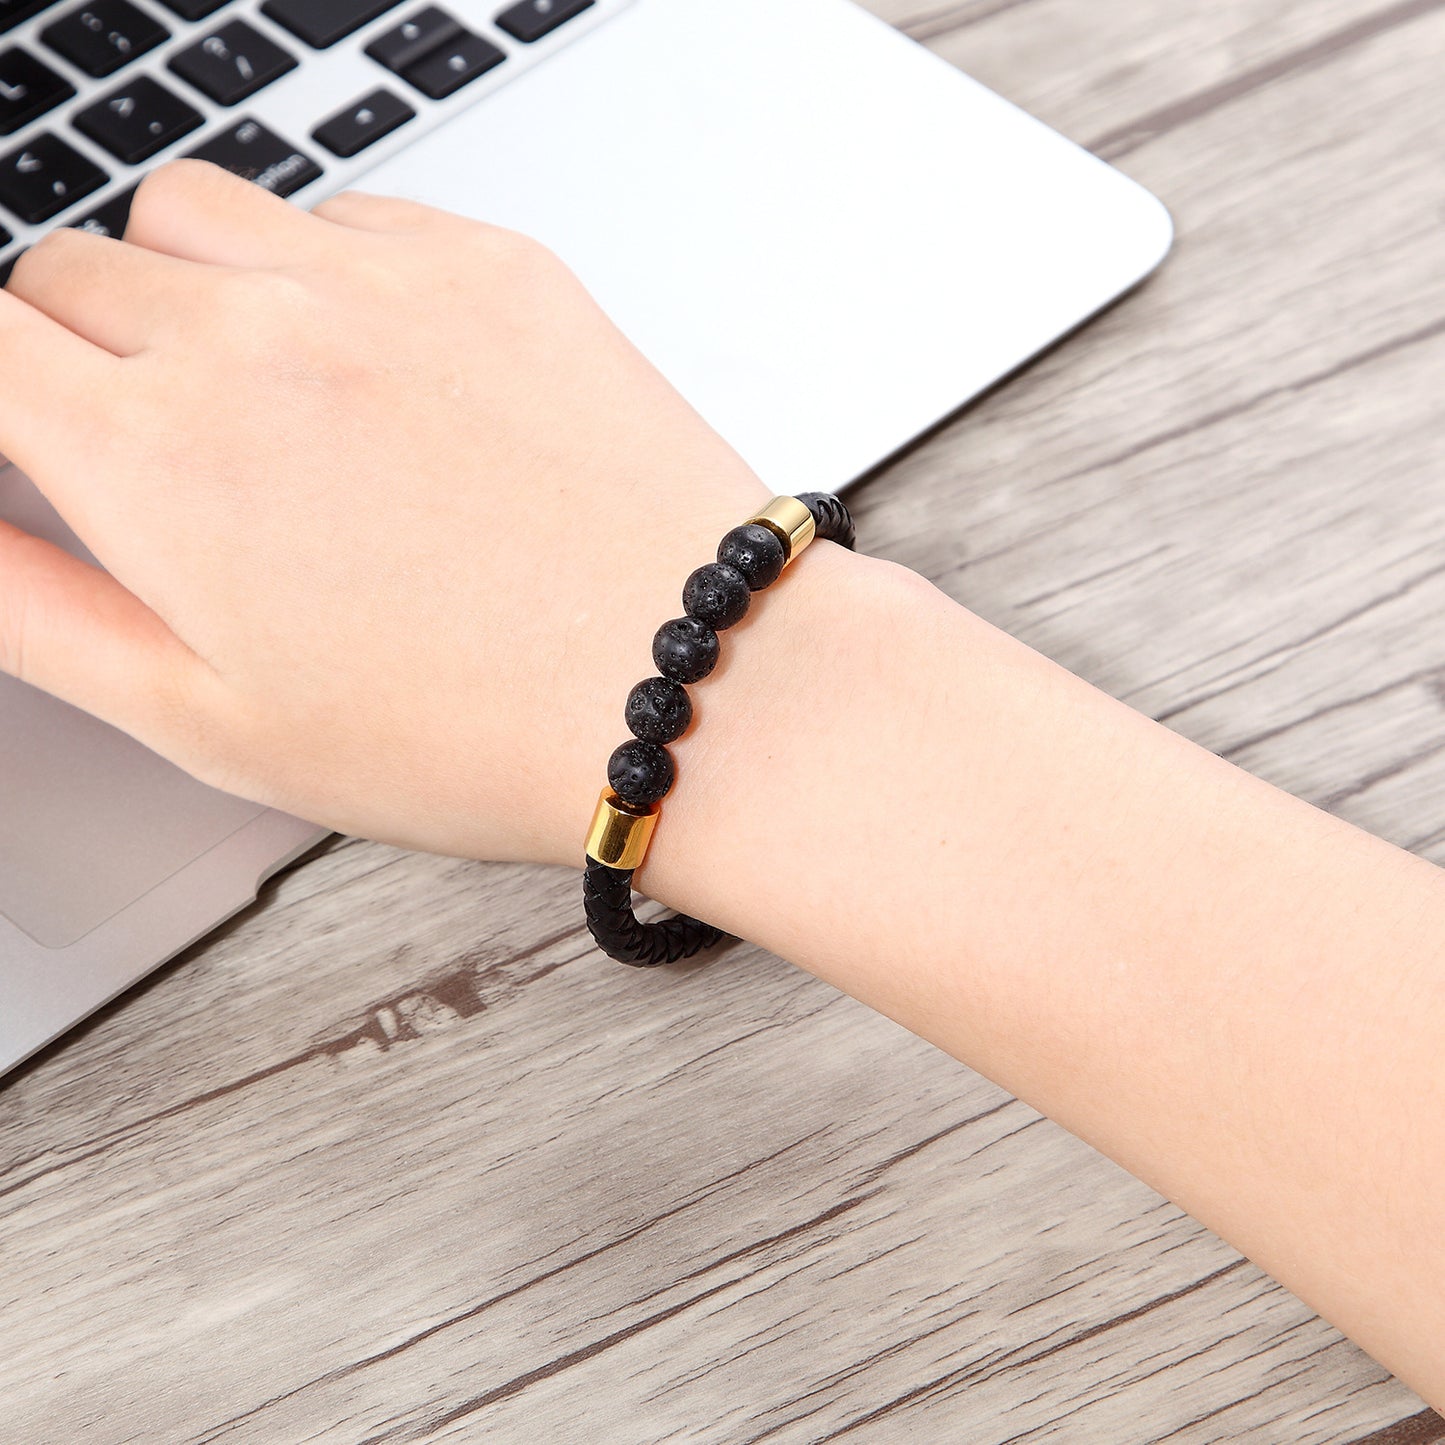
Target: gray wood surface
point(393, 1158)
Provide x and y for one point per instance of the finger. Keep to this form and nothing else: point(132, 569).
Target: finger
point(51, 380)
point(114, 295)
point(196, 211)
point(73, 631)
point(362, 211)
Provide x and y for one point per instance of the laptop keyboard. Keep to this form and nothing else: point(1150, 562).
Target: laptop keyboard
point(288, 93)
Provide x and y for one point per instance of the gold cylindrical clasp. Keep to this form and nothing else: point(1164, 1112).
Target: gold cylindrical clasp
point(791, 520)
point(618, 836)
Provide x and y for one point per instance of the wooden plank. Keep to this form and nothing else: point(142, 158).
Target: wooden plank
point(307, 1212)
point(396, 1157)
point(1093, 71)
point(1085, 70)
point(1426, 1428)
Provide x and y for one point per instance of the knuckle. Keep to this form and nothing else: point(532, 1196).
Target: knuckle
point(58, 241)
point(529, 284)
point(16, 627)
point(279, 329)
point(44, 257)
point(386, 211)
point(180, 716)
point(227, 752)
point(256, 306)
point(250, 289)
point(516, 251)
point(177, 177)
point(177, 183)
point(517, 274)
point(414, 215)
point(192, 719)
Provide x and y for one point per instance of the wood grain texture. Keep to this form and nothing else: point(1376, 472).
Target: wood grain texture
point(394, 1157)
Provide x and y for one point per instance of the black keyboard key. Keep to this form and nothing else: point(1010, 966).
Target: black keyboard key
point(413, 38)
point(5, 238)
point(533, 19)
point(27, 89)
point(251, 151)
point(457, 63)
point(12, 12)
point(108, 219)
point(232, 64)
point(41, 178)
point(137, 121)
point(323, 22)
point(195, 9)
point(350, 131)
point(102, 35)
point(8, 265)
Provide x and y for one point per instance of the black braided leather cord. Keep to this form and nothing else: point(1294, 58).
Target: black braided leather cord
point(607, 892)
point(832, 519)
point(607, 897)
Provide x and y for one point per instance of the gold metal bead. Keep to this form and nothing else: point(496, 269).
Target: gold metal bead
point(791, 520)
point(619, 835)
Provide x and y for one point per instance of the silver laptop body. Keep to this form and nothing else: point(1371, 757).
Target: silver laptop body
point(826, 238)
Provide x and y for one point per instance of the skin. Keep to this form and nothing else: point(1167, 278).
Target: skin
point(361, 481)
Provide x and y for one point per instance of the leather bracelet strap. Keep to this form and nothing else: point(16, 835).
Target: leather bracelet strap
point(640, 772)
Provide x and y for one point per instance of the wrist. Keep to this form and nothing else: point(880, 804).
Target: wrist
point(808, 645)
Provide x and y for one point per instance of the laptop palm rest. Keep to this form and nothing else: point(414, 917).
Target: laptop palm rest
point(89, 819)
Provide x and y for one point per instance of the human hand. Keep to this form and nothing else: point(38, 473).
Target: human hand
point(389, 508)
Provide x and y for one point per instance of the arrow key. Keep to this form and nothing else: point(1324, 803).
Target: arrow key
point(41, 178)
point(136, 121)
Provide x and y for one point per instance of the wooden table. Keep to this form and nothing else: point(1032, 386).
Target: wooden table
point(394, 1157)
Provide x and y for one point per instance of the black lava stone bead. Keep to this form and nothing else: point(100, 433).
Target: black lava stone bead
point(685, 649)
point(658, 710)
point(717, 594)
point(756, 551)
point(640, 773)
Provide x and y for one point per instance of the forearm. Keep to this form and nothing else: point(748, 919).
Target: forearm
point(1231, 993)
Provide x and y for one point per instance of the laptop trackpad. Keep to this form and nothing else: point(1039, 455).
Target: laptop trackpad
point(89, 819)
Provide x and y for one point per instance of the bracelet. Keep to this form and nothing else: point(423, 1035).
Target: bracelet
point(640, 772)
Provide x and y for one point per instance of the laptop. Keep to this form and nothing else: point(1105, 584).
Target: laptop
point(827, 238)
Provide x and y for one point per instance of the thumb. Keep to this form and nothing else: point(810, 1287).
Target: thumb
point(72, 630)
